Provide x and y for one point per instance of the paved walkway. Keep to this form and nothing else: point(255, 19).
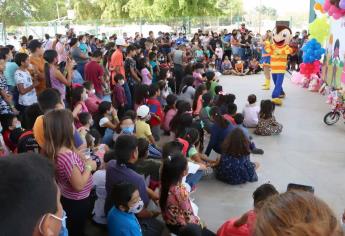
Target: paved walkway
point(307, 152)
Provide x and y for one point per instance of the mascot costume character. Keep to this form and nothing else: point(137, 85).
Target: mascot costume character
point(279, 50)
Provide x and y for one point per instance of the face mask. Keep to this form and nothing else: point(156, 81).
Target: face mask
point(91, 122)
point(85, 97)
point(93, 91)
point(78, 44)
point(0, 129)
point(63, 231)
point(148, 117)
point(128, 130)
point(18, 125)
point(168, 75)
point(137, 207)
point(121, 82)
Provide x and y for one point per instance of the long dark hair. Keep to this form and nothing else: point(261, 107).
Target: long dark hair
point(49, 56)
point(172, 170)
point(219, 120)
point(209, 76)
point(236, 144)
point(182, 107)
point(188, 81)
point(266, 109)
point(198, 93)
point(141, 92)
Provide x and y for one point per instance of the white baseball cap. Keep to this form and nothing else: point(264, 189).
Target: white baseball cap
point(121, 42)
point(143, 111)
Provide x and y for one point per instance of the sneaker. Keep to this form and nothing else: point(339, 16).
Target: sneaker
point(258, 151)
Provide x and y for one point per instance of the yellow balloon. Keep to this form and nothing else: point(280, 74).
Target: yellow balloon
point(319, 29)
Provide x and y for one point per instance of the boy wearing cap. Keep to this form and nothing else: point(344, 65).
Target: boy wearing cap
point(142, 129)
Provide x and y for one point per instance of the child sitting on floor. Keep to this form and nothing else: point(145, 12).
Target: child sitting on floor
point(243, 226)
point(239, 123)
point(192, 137)
point(251, 112)
point(238, 65)
point(198, 71)
point(267, 124)
point(254, 67)
point(205, 112)
point(235, 166)
point(170, 112)
point(227, 67)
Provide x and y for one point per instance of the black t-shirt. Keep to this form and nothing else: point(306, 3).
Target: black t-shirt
point(213, 43)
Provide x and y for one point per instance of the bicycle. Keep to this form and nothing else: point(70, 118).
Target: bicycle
point(333, 116)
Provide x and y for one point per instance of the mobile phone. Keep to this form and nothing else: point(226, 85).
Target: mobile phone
point(300, 187)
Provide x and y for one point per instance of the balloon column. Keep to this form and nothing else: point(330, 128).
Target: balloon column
point(312, 53)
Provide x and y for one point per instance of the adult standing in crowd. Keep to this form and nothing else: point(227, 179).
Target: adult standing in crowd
point(78, 56)
point(36, 66)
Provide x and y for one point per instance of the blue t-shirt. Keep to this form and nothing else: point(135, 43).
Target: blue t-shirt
point(122, 223)
point(9, 71)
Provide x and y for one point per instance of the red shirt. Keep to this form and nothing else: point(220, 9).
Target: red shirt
point(119, 96)
point(94, 73)
point(156, 108)
point(230, 119)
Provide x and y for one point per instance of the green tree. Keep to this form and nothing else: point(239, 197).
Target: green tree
point(267, 11)
point(87, 10)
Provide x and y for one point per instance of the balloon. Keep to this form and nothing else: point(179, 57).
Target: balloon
point(312, 51)
point(320, 29)
point(318, 7)
point(333, 10)
point(342, 4)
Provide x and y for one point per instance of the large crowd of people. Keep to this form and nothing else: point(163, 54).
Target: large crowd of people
point(121, 130)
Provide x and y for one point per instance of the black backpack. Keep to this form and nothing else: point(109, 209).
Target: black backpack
point(27, 143)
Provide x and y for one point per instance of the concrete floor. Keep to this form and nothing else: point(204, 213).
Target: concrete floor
point(307, 152)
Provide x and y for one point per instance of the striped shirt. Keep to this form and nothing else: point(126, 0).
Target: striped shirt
point(279, 56)
point(64, 165)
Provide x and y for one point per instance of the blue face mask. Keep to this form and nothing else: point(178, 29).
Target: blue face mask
point(63, 231)
point(128, 130)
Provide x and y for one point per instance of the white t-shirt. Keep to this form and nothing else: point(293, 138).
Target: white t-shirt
point(219, 52)
point(251, 115)
point(103, 121)
point(24, 77)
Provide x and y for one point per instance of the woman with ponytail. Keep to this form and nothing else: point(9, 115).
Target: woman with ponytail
point(219, 131)
point(54, 77)
point(174, 200)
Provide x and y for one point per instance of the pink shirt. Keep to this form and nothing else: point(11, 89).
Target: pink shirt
point(62, 53)
point(92, 103)
point(167, 119)
point(145, 76)
point(64, 166)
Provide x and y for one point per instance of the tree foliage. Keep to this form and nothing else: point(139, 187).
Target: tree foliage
point(14, 12)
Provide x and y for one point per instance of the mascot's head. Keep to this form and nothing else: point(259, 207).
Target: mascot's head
point(282, 34)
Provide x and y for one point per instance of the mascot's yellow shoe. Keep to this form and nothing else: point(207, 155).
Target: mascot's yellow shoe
point(266, 86)
point(277, 101)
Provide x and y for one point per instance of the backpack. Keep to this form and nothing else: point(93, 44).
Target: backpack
point(27, 143)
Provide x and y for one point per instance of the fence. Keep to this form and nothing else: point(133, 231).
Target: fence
point(119, 26)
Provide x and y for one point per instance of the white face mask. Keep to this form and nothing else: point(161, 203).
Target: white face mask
point(91, 122)
point(137, 207)
point(121, 82)
point(93, 91)
point(18, 125)
point(85, 97)
point(148, 117)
